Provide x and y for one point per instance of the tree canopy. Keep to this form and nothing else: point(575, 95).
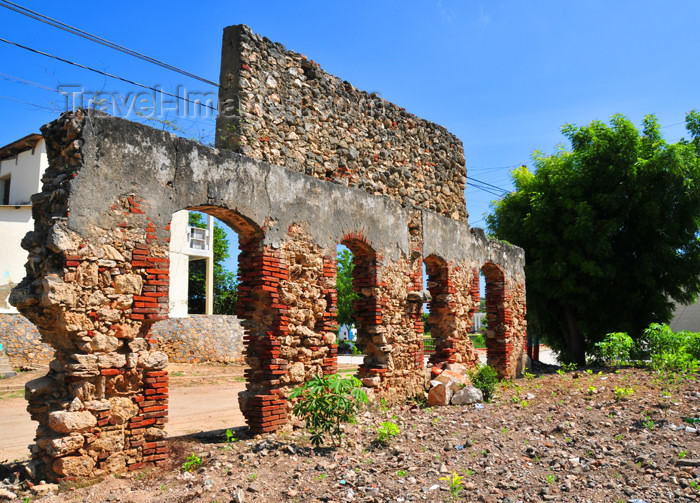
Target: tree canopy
point(346, 315)
point(225, 281)
point(609, 229)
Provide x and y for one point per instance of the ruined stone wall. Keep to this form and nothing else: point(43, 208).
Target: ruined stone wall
point(22, 342)
point(454, 293)
point(284, 109)
point(97, 281)
point(101, 407)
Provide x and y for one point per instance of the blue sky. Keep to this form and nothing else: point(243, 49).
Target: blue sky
point(504, 76)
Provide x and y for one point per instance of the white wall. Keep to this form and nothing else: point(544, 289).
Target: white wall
point(25, 172)
point(179, 264)
point(15, 224)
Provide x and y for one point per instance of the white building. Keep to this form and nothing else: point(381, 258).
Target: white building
point(22, 164)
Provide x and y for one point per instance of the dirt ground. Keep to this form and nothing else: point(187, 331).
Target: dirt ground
point(550, 437)
point(202, 398)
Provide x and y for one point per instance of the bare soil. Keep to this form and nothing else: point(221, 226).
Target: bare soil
point(548, 438)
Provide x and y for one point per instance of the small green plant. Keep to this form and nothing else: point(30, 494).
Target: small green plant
point(326, 402)
point(591, 390)
point(623, 393)
point(321, 477)
point(615, 348)
point(485, 379)
point(191, 462)
point(550, 478)
point(529, 376)
point(386, 431)
point(454, 484)
point(27, 499)
point(252, 476)
point(505, 430)
point(682, 454)
point(467, 473)
point(230, 437)
point(647, 421)
point(401, 473)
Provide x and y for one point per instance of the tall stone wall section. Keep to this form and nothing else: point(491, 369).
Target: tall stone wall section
point(284, 109)
point(97, 276)
point(102, 406)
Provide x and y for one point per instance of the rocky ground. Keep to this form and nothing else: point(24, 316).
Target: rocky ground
point(549, 437)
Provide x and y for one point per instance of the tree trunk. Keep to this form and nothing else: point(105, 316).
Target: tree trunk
point(574, 338)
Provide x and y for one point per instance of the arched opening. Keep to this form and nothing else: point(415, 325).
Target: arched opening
point(202, 336)
point(367, 311)
point(498, 344)
point(441, 319)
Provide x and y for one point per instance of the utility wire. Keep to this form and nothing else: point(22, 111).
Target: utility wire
point(27, 103)
point(94, 38)
point(485, 189)
point(488, 184)
point(18, 80)
point(104, 73)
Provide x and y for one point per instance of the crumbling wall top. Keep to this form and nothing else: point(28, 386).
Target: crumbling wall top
point(280, 107)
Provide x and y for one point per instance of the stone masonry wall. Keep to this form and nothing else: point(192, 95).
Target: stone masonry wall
point(282, 108)
point(101, 408)
point(97, 275)
point(200, 338)
point(22, 341)
point(194, 339)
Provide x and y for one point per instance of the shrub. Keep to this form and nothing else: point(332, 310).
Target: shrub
point(325, 402)
point(485, 379)
point(669, 350)
point(615, 347)
point(386, 431)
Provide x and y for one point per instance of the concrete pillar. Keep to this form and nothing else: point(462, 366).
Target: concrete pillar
point(209, 281)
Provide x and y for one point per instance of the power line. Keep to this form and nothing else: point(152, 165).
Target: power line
point(104, 73)
point(488, 184)
point(486, 189)
point(27, 103)
point(94, 38)
point(18, 80)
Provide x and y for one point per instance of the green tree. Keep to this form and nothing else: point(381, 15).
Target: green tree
point(344, 289)
point(609, 229)
point(225, 282)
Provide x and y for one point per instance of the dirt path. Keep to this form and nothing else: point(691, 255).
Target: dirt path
point(202, 398)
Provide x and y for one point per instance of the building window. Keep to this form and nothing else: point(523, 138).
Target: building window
point(5, 190)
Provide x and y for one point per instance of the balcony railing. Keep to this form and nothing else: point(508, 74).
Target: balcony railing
point(199, 240)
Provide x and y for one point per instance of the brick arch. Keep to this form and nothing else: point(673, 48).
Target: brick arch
point(452, 290)
point(261, 269)
point(442, 312)
point(498, 317)
point(367, 308)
